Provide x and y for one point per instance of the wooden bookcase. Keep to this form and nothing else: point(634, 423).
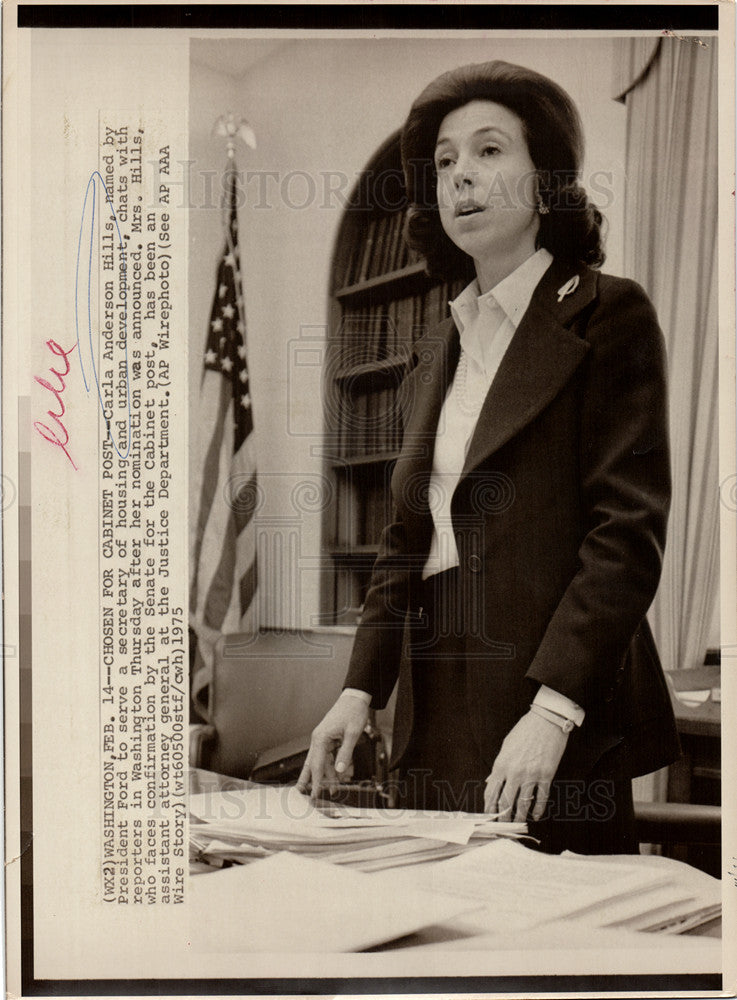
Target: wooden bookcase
point(381, 301)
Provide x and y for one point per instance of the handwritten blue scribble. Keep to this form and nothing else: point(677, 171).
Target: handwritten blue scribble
point(95, 178)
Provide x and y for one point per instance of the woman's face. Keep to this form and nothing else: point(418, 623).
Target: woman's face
point(486, 182)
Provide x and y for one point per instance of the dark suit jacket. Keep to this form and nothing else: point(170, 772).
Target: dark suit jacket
point(560, 520)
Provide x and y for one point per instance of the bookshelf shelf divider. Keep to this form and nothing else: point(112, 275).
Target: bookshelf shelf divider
point(381, 302)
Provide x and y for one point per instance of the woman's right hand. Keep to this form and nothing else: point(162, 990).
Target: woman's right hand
point(341, 729)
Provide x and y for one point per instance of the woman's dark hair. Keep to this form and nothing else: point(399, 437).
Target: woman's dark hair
point(571, 230)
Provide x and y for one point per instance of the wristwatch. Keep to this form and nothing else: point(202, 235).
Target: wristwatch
point(567, 725)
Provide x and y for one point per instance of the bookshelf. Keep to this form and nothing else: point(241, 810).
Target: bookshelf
point(381, 302)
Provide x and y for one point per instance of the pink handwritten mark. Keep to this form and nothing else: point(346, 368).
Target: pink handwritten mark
point(60, 438)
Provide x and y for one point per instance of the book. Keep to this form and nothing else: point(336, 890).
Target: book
point(368, 247)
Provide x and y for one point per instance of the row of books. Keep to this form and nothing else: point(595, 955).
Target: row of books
point(365, 499)
point(382, 250)
point(369, 423)
point(373, 516)
point(365, 336)
point(388, 330)
point(350, 594)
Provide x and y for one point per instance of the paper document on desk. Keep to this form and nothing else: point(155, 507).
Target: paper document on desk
point(689, 899)
point(292, 904)
point(525, 887)
point(279, 818)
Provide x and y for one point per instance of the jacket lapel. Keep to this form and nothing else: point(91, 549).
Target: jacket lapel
point(541, 358)
point(423, 393)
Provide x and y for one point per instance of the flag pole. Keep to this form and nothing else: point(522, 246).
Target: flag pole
point(224, 558)
point(233, 127)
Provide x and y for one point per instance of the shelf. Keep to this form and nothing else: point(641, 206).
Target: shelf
point(709, 773)
point(351, 461)
point(373, 374)
point(390, 369)
point(409, 279)
point(328, 626)
point(355, 553)
point(349, 619)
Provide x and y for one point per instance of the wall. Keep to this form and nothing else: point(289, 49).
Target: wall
point(211, 95)
point(320, 109)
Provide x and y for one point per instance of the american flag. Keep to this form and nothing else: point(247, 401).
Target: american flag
point(224, 577)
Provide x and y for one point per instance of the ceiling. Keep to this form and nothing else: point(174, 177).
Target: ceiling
point(234, 56)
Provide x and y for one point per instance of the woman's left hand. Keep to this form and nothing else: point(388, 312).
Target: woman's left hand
point(519, 784)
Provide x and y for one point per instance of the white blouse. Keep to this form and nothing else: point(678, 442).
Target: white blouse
point(486, 323)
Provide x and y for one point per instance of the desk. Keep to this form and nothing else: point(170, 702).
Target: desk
point(475, 933)
point(468, 934)
point(697, 776)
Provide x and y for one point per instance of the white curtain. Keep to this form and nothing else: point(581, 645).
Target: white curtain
point(671, 249)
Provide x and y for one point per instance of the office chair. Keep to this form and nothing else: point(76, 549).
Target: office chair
point(269, 690)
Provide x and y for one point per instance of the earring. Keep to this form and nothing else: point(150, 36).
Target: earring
point(542, 208)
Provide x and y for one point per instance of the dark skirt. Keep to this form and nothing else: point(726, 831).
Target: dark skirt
point(442, 767)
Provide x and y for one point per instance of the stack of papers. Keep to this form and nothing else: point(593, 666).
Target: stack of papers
point(286, 903)
point(291, 904)
point(480, 863)
point(695, 686)
point(246, 825)
point(523, 888)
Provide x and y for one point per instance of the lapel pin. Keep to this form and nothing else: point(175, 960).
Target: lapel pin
point(569, 288)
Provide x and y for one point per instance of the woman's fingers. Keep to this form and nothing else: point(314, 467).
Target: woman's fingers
point(344, 756)
point(312, 771)
point(508, 799)
point(318, 772)
point(491, 793)
point(519, 784)
point(329, 777)
point(516, 799)
point(525, 800)
point(341, 728)
point(541, 800)
point(497, 790)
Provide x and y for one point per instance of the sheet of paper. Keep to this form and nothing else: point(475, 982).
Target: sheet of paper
point(482, 932)
point(267, 803)
point(681, 922)
point(526, 887)
point(390, 852)
point(690, 897)
point(292, 904)
point(282, 811)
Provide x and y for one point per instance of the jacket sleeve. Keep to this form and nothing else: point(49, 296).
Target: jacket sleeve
point(625, 498)
point(374, 663)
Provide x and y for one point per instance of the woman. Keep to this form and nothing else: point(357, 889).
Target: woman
point(530, 497)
